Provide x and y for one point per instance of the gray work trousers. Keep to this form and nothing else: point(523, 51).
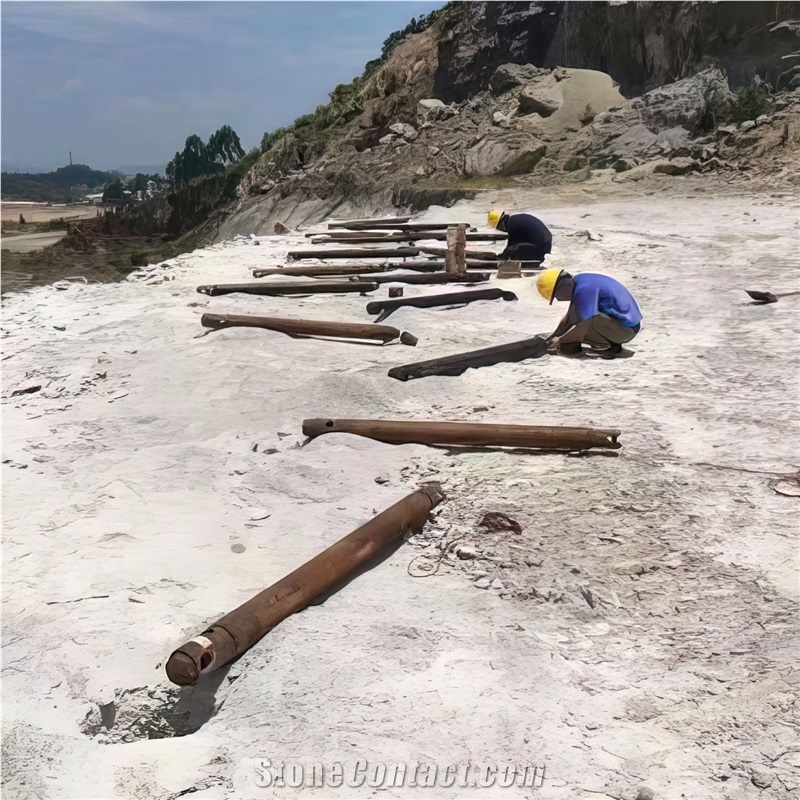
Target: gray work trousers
point(602, 330)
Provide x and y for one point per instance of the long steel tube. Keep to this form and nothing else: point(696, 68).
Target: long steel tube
point(433, 278)
point(324, 574)
point(321, 270)
point(354, 252)
point(457, 364)
point(278, 289)
point(306, 327)
point(346, 223)
point(386, 307)
point(467, 434)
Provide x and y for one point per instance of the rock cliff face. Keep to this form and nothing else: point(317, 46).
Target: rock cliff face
point(503, 89)
point(641, 45)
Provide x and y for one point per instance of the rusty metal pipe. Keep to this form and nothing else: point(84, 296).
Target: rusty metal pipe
point(345, 234)
point(432, 278)
point(278, 289)
point(386, 307)
point(238, 631)
point(377, 237)
point(319, 270)
point(355, 252)
point(535, 347)
point(305, 327)
point(391, 225)
point(346, 223)
point(475, 255)
point(467, 434)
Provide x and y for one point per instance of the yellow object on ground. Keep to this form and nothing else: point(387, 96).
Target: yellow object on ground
point(494, 217)
point(546, 283)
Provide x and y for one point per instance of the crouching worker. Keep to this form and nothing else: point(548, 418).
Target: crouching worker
point(602, 313)
point(528, 237)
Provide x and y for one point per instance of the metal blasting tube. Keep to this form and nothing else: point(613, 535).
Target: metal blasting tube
point(467, 434)
point(326, 573)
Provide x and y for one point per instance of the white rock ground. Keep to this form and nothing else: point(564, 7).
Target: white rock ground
point(155, 482)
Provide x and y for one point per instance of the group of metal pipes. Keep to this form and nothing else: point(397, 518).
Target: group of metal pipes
point(236, 632)
point(366, 277)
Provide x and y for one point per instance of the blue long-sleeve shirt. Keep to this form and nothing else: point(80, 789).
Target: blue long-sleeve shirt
point(598, 294)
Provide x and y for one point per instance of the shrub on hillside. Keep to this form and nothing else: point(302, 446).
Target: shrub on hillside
point(750, 102)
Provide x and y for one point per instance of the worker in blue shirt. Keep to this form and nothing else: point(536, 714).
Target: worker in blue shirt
point(529, 239)
point(602, 312)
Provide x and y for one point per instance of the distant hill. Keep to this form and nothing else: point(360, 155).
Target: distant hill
point(60, 186)
point(144, 169)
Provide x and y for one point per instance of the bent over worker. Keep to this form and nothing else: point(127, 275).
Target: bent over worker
point(602, 312)
point(529, 239)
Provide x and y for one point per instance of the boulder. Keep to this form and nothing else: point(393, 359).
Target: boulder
point(486, 157)
point(574, 163)
point(747, 125)
point(678, 166)
point(624, 164)
point(636, 139)
point(431, 109)
point(510, 76)
point(542, 100)
point(762, 778)
point(408, 132)
point(388, 139)
point(523, 161)
point(687, 102)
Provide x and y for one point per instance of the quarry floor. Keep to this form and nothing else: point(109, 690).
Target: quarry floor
point(641, 632)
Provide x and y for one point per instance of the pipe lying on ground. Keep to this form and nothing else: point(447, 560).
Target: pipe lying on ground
point(767, 297)
point(308, 327)
point(400, 226)
point(467, 434)
point(355, 252)
point(277, 289)
point(390, 221)
point(433, 278)
point(458, 364)
point(326, 573)
point(345, 235)
point(362, 238)
point(386, 307)
point(339, 270)
point(480, 255)
point(319, 270)
point(367, 237)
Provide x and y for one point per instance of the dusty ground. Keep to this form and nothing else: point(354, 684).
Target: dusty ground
point(641, 630)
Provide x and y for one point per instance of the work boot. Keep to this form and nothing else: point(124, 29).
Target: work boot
point(571, 349)
point(612, 351)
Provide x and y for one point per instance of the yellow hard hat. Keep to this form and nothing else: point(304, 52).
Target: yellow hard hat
point(546, 283)
point(494, 217)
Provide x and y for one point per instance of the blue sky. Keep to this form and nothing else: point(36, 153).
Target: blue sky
point(122, 83)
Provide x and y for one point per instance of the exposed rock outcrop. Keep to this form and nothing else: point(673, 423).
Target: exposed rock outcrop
point(640, 44)
point(497, 89)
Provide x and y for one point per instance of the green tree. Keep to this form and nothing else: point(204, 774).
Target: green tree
point(113, 190)
point(224, 147)
point(199, 158)
point(139, 182)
